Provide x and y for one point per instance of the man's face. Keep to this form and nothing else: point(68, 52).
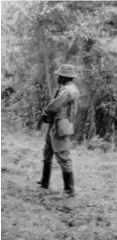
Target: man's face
point(60, 80)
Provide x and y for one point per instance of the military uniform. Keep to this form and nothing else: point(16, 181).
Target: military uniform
point(58, 140)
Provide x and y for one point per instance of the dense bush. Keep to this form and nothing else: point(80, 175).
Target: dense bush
point(37, 37)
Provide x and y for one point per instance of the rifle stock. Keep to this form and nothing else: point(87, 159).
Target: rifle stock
point(39, 123)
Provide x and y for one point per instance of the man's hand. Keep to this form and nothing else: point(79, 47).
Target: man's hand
point(42, 119)
point(48, 117)
point(45, 117)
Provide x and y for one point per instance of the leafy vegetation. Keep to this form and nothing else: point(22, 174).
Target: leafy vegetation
point(37, 37)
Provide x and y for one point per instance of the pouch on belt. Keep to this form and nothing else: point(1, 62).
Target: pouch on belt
point(65, 127)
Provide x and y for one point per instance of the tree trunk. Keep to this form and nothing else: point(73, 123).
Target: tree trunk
point(43, 45)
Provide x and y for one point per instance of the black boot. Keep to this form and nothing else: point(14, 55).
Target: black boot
point(45, 176)
point(68, 183)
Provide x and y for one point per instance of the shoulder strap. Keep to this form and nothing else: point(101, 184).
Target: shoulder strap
point(56, 93)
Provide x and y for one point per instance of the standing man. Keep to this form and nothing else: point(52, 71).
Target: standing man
point(61, 114)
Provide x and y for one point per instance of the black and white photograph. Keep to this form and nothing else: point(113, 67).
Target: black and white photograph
point(58, 120)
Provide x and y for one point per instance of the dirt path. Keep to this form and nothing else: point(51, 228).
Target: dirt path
point(29, 213)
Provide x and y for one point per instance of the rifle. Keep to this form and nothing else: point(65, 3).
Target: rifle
point(39, 123)
point(46, 118)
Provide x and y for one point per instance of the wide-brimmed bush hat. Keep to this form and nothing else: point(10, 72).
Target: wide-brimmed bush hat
point(66, 70)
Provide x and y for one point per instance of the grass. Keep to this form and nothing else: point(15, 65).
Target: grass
point(30, 213)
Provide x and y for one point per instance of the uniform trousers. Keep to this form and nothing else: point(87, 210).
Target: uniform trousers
point(63, 157)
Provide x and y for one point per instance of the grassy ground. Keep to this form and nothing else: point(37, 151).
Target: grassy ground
point(30, 213)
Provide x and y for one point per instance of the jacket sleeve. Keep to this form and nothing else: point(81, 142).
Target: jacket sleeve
point(55, 104)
